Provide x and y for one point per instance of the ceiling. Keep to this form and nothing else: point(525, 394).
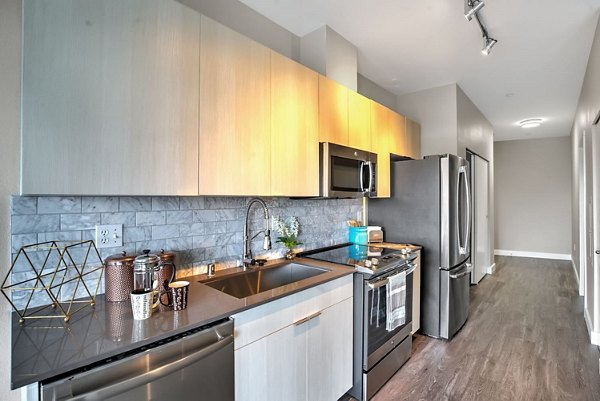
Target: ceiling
point(535, 70)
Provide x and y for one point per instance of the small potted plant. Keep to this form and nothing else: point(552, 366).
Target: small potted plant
point(288, 234)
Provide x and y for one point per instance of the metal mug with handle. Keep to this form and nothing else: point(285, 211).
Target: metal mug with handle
point(145, 274)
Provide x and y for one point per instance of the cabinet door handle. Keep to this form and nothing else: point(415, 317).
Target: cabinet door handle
point(306, 319)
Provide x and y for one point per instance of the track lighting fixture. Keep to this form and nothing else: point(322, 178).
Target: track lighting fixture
point(473, 7)
point(488, 43)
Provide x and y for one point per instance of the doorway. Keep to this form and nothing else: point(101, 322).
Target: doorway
point(480, 244)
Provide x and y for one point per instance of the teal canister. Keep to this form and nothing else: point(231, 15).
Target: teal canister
point(358, 235)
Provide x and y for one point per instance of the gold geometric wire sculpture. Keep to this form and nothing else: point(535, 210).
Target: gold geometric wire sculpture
point(61, 272)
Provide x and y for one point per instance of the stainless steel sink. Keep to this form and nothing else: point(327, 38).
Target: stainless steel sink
point(256, 281)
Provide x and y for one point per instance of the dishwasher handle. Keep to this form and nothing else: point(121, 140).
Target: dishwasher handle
point(133, 382)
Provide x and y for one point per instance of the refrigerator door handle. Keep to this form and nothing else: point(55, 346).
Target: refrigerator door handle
point(469, 269)
point(461, 248)
point(468, 199)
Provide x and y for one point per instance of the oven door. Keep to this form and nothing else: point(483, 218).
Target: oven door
point(377, 340)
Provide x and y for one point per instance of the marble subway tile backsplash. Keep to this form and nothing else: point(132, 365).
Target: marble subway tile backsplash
point(199, 229)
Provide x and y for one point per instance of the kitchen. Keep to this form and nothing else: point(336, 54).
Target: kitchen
point(214, 212)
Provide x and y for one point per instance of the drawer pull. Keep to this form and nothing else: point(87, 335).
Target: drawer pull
point(307, 318)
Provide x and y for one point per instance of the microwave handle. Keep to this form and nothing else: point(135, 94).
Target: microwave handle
point(362, 170)
point(370, 177)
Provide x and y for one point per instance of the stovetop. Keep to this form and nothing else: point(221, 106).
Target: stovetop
point(373, 258)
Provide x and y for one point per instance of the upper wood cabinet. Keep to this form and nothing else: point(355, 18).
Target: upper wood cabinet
point(398, 145)
point(110, 97)
point(413, 139)
point(333, 111)
point(383, 122)
point(235, 124)
point(294, 128)
point(359, 121)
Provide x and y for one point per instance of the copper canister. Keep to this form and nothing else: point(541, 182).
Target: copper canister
point(119, 277)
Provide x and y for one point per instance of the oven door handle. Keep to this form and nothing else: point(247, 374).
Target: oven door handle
point(381, 283)
point(161, 371)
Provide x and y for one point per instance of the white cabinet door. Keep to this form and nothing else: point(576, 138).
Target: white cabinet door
point(110, 97)
point(480, 249)
point(329, 357)
point(273, 368)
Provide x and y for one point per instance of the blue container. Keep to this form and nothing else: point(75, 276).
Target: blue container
point(358, 235)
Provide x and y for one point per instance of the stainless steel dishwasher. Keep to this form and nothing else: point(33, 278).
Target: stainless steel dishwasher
point(196, 365)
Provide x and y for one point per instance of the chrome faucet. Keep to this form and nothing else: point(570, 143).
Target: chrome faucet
point(247, 256)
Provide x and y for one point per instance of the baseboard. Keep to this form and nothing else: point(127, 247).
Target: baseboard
point(576, 273)
point(594, 335)
point(539, 255)
point(491, 269)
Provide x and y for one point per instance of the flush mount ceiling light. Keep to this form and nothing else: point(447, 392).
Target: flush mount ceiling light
point(472, 8)
point(531, 123)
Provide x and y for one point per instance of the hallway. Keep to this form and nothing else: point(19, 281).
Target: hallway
point(525, 340)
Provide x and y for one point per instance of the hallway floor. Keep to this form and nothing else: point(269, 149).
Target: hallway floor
point(525, 339)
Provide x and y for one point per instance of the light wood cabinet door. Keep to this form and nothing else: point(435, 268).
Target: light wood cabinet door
point(333, 112)
point(235, 124)
point(329, 358)
point(110, 97)
point(398, 139)
point(413, 139)
point(359, 121)
point(381, 131)
point(294, 128)
point(273, 368)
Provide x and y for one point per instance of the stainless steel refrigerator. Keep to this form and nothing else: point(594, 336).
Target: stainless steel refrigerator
point(430, 205)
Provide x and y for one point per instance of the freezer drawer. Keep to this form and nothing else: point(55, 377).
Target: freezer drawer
point(454, 299)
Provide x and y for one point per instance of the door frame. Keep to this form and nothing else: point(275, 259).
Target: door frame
point(470, 155)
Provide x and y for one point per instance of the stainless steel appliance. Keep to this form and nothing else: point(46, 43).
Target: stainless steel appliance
point(347, 172)
point(173, 369)
point(430, 205)
point(378, 353)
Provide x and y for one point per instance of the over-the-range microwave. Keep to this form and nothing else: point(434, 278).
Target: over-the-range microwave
point(347, 172)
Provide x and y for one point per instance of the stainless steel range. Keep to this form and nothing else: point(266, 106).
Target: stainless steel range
point(380, 349)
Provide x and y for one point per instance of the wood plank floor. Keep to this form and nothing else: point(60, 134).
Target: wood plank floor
point(525, 340)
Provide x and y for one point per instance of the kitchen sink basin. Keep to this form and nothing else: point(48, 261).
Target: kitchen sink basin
point(256, 281)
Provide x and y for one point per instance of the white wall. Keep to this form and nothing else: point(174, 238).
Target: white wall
point(10, 94)
point(587, 109)
point(435, 110)
point(533, 203)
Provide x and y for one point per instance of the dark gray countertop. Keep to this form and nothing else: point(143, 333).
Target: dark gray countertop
point(45, 348)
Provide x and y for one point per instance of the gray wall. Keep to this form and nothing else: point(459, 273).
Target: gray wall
point(533, 204)
point(250, 23)
point(587, 109)
point(199, 229)
point(475, 133)
point(435, 110)
point(370, 89)
point(10, 97)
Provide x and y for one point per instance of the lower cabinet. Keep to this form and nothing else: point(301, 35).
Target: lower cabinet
point(298, 347)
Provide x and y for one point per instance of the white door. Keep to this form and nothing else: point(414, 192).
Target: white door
point(480, 250)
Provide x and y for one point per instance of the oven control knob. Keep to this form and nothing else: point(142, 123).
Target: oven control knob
point(368, 263)
point(375, 261)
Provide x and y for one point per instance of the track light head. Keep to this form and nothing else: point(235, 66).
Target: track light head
point(488, 43)
point(475, 7)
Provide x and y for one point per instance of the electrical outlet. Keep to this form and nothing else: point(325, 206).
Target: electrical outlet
point(109, 236)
